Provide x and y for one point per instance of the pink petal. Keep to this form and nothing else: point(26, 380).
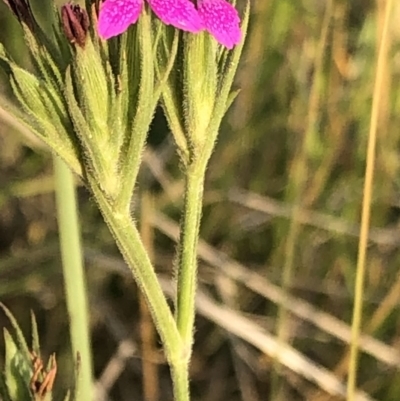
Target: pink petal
point(181, 14)
point(222, 20)
point(116, 15)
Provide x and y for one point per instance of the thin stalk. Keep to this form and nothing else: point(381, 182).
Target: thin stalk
point(180, 378)
point(366, 204)
point(187, 263)
point(74, 277)
point(150, 380)
point(134, 253)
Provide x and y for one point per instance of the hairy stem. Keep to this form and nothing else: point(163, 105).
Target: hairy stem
point(134, 253)
point(187, 263)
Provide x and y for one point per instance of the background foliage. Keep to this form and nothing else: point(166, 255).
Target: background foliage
point(283, 198)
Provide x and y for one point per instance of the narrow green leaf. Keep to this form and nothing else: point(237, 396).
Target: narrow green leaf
point(228, 74)
point(119, 119)
point(41, 102)
point(35, 335)
point(81, 126)
point(53, 125)
point(18, 370)
point(92, 90)
point(4, 393)
point(22, 345)
point(41, 60)
point(200, 85)
point(130, 156)
point(25, 122)
point(231, 98)
point(101, 164)
point(171, 99)
point(164, 76)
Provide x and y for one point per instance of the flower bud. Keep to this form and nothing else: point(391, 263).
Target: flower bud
point(22, 11)
point(75, 22)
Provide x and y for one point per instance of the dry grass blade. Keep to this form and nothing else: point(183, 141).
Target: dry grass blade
point(269, 206)
point(114, 368)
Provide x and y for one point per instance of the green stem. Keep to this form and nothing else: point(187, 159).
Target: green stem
point(133, 250)
point(74, 278)
point(180, 378)
point(187, 264)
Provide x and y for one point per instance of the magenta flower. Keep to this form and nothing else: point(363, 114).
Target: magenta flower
point(222, 20)
point(218, 17)
point(116, 15)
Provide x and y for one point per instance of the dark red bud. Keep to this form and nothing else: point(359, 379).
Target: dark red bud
point(75, 22)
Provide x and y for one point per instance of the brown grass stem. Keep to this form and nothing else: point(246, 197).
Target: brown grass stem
point(366, 203)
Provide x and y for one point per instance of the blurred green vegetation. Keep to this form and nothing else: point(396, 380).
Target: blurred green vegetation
point(283, 197)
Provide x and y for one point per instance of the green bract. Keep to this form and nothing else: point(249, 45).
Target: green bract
point(90, 101)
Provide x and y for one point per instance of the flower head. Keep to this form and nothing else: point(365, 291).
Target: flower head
point(218, 17)
point(222, 20)
point(116, 15)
